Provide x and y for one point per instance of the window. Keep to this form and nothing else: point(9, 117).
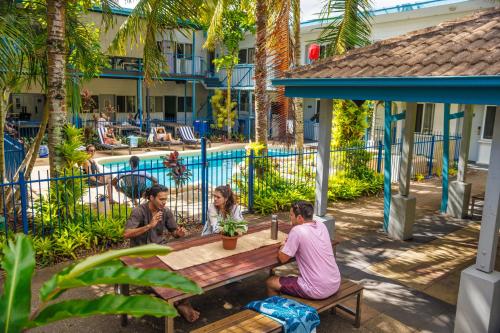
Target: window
point(125, 104)
point(155, 104)
point(425, 118)
point(489, 122)
point(180, 104)
point(246, 56)
point(242, 55)
point(184, 50)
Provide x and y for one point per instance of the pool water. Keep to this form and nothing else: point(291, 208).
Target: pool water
point(222, 167)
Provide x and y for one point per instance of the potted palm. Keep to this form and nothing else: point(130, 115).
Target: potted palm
point(231, 229)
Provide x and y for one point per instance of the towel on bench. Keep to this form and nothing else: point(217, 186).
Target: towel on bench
point(294, 316)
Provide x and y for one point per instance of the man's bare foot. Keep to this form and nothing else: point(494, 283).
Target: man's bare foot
point(187, 311)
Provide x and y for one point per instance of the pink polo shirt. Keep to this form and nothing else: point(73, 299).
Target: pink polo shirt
point(311, 246)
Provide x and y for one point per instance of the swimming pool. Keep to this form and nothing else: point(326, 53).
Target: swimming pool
point(222, 166)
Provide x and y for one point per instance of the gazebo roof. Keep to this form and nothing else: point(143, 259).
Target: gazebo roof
point(469, 46)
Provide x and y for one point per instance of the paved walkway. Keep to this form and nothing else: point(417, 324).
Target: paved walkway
point(409, 286)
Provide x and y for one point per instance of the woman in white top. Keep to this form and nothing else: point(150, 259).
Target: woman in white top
point(224, 206)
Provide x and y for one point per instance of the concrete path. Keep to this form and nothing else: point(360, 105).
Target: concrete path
point(409, 286)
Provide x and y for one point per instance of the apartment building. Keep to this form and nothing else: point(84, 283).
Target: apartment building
point(183, 94)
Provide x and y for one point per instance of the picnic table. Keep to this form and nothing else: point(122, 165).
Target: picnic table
point(215, 273)
point(126, 128)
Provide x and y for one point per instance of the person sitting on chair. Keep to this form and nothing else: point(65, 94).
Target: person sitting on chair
point(309, 242)
point(148, 223)
point(90, 168)
point(224, 206)
point(109, 137)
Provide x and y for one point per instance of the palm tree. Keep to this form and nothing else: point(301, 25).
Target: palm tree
point(151, 18)
point(19, 60)
point(261, 102)
point(59, 12)
point(25, 55)
point(348, 25)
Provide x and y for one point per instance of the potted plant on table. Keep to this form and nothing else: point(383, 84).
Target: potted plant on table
point(231, 229)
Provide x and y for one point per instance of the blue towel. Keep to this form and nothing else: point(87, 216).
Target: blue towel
point(294, 316)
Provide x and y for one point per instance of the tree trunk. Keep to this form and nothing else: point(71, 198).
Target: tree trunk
point(261, 74)
point(4, 100)
point(56, 88)
point(298, 103)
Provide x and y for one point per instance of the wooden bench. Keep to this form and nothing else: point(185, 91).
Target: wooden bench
point(474, 198)
point(250, 321)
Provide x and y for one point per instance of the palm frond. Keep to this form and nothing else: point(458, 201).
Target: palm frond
point(148, 18)
point(348, 25)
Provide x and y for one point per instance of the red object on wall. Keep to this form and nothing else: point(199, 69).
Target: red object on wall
point(314, 52)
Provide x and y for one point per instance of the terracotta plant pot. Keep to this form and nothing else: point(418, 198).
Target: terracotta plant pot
point(229, 243)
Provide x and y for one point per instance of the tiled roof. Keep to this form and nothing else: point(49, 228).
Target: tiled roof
point(469, 46)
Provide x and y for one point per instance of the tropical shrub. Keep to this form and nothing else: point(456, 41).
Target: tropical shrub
point(18, 262)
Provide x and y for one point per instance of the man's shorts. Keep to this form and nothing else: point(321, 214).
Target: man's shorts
point(290, 286)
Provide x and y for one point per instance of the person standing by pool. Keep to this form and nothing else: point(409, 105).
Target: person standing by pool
point(224, 206)
point(309, 242)
point(148, 224)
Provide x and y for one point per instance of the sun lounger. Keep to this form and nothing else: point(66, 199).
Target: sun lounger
point(157, 133)
point(101, 131)
point(187, 135)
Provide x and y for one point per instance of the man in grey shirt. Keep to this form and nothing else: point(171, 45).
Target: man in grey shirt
point(148, 223)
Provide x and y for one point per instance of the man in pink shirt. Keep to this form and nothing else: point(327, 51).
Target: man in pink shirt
point(310, 244)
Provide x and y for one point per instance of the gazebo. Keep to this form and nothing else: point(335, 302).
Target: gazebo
point(454, 62)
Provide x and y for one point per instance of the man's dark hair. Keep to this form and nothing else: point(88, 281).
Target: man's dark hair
point(134, 162)
point(304, 209)
point(154, 190)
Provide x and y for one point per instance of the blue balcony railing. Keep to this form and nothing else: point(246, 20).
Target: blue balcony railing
point(178, 64)
point(183, 64)
point(243, 76)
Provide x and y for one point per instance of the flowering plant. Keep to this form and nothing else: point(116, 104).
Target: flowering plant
point(178, 171)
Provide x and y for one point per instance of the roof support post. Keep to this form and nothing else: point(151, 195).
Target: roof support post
point(446, 157)
point(406, 158)
point(403, 206)
point(478, 303)
point(185, 103)
point(323, 157)
point(193, 101)
point(490, 224)
point(460, 191)
point(139, 100)
point(250, 114)
point(387, 162)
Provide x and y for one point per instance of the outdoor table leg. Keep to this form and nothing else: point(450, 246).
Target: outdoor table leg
point(169, 322)
point(123, 289)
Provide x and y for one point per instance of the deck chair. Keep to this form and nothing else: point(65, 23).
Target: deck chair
point(157, 132)
point(133, 185)
point(187, 135)
point(101, 130)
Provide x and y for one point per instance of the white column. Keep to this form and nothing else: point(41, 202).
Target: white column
point(465, 143)
point(478, 305)
point(488, 239)
point(406, 158)
point(323, 158)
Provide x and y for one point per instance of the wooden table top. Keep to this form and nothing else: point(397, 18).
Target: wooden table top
point(218, 272)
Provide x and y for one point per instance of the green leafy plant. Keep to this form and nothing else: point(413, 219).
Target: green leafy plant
point(220, 109)
point(18, 263)
point(232, 227)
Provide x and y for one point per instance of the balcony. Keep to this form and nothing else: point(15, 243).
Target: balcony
point(178, 65)
point(243, 76)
